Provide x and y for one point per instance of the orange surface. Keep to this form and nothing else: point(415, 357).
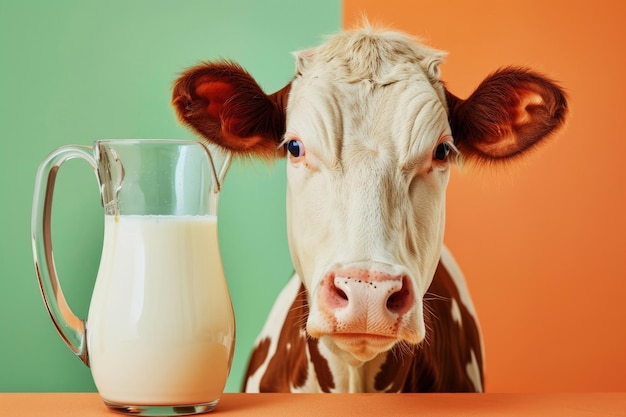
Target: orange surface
point(542, 244)
point(303, 405)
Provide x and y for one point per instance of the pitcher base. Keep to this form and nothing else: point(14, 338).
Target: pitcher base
point(161, 410)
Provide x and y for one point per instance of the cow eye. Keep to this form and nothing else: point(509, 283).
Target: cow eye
point(442, 151)
point(295, 148)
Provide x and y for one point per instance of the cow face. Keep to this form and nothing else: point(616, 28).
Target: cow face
point(370, 133)
point(369, 154)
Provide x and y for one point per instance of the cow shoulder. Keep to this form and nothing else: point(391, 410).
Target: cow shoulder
point(284, 358)
point(266, 344)
point(453, 347)
point(450, 359)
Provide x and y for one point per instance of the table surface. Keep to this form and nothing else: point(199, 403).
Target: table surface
point(302, 405)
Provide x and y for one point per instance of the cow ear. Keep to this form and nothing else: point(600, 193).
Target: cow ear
point(226, 106)
point(510, 112)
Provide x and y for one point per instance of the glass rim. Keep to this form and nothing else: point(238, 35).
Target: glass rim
point(152, 141)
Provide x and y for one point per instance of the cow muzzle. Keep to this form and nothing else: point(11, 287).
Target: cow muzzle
point(366, 308)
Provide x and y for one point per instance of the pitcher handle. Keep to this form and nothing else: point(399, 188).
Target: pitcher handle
point(70, 327)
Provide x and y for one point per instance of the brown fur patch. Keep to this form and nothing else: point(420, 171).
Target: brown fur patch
point(259, 355)
point(289, 366)
point(320, 364)
point(439, 363)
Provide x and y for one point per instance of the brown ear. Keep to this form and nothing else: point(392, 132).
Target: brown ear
point(225, 105)
point(510, 112)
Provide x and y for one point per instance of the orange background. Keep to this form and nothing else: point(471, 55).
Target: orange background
point(542, 243)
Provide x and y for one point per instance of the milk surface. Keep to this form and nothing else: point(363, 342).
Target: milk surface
point(160, 329)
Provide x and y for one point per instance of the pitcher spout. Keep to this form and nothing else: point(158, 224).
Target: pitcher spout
point(220, 163)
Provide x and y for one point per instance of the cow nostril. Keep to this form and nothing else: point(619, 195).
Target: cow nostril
point(341, 293)
point(334, 296)
point(399, 300)
point(394, 301)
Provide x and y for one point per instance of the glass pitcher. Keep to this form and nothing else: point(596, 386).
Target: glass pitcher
point(160, 331)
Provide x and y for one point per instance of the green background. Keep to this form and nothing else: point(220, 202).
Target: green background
point(77, 71)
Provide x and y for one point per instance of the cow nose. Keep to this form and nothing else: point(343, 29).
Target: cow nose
point(365, 300)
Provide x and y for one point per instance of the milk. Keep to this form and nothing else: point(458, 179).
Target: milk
point(160, 329)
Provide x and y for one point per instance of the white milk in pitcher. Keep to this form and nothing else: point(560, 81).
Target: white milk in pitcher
point(160, 329)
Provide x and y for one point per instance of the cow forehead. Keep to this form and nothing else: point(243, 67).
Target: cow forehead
point(399, 123)
point(368, 91)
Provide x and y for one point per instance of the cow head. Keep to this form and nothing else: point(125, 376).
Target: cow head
point(370, 132)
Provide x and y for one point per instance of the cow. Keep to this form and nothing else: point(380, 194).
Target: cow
point(377, 302)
